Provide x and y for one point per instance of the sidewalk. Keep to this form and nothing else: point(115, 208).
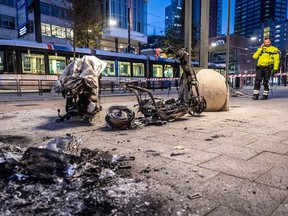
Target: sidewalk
point(220, 163)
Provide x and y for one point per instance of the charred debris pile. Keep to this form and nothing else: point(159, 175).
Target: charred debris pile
point(62, 178)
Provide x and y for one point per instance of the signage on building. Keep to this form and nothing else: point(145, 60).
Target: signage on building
point(22, 17)
point(220, 42)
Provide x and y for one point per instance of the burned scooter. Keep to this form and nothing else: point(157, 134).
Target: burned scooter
point(157, 110)
point(79, 85)
point(189, 91)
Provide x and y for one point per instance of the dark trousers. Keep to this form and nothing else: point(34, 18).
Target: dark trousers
point(262, 73)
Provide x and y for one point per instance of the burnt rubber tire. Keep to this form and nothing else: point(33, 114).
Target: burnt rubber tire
point(119, 117)
point(197, 105)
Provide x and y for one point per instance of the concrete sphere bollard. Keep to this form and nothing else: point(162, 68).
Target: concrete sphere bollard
point(212, 87)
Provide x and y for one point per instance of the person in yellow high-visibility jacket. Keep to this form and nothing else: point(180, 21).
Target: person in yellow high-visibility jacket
point(268, 62)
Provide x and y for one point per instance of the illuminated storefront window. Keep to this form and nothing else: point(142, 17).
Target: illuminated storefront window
point(46, 29)
point(58, 31)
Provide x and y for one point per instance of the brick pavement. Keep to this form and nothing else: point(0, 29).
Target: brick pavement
point(236, 160)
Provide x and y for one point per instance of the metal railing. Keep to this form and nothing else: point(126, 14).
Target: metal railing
point(20, 86)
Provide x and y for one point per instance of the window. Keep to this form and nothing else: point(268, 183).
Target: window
point(32, 63)
point(69, 33)
point(124, 68)
point(58, 31)
point(46, 29)
point(8, 2)
point(55, 11)
point(57, 64)
point(7, 22)
point(110, 69)
point(157, 70)
point(138, 69)
point(168, 71)
point(52, 10)
point(45, 8)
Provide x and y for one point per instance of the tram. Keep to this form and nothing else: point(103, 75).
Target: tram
point(23, 60)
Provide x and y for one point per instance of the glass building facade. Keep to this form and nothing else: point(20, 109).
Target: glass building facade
point(173, 13)
point(117, 10)
point(252, 14)
point(53, 16)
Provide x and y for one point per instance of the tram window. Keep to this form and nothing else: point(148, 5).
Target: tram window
point(33, 63)
point(110, 69)
point(1, 61)
point(124, 68)
point(168, 71)
point(138, 69)
point(157, 70)
point(56, 64)
point(71, 58)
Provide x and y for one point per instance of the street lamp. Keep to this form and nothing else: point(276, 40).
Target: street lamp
point(112, 22)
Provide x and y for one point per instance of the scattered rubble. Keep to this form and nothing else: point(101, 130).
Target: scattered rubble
point(62, 178)
point(238, 94)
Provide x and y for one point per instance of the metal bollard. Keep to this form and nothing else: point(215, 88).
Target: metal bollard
point(112, 86)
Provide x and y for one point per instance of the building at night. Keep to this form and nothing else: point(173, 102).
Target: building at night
point(173, 13)
point(55, 28)
point(253, 14)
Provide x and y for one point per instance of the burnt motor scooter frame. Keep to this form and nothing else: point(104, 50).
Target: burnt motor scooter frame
point(157, 110)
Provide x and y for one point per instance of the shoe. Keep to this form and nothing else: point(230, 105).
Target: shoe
point(264, 97)
point(255, 96)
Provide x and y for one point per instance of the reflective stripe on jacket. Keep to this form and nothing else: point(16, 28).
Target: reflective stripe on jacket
point(267, 56)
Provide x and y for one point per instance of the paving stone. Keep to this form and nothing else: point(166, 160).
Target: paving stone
point(237, 167)
point(121, 139)
point(225, 211)
point(276, 177)
point(269, 146)
point(285, 142)
point(186, 131)
point(282, 210)
point(190, 156)
point(269, 137)
point(162, 138)
point(240, 139)
point(177, 204)
point(186, 178)
point(242, 195)
point(234, 151)
point(235, 122)
point(197, 144)
point(270, 158)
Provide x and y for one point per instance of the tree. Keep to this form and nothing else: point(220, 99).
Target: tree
point(86, 21)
